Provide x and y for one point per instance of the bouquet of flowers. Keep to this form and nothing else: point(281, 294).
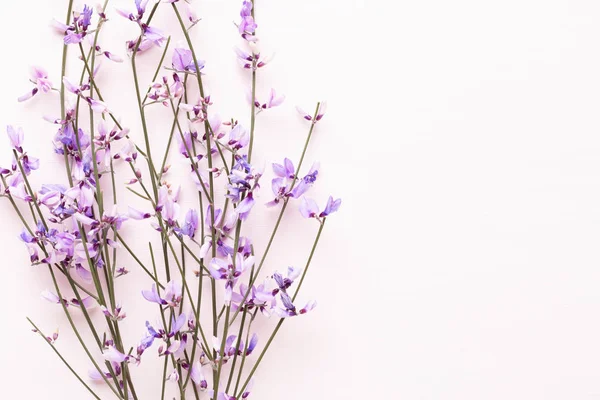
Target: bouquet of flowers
point(203, 273)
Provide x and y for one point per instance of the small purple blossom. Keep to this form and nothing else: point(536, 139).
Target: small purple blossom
point(16, 137)
point(273, 101)
point(247, 24)
point(309, 208)
point(227, 271)
point(197, 376)
point(39, 77)
point(183, 60)
point(320, 112)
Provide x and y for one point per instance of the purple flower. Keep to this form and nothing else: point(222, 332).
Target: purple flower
point(284, 283)
point(39, 77)
point(183, 60)
point(191, 224)
point(245, 206)
point(85, 17)
point(239, 137)
point(167, 206)
point(305, 183)
point(247, 24)
point(289, 309)
point(128, 152)
point(140, 6)
point(177, 324)
point(260, 297)
point(154, 35)
point(114, 355)
point(320, 112)
point(286, 177)
point(309, 208)
point(16, 137)
point(227, 271)
point(273, 101)
point(136, 214)
point(222, 227)
point(197, 376)
point(29, 164)
point(153, 296)
point(73, 37)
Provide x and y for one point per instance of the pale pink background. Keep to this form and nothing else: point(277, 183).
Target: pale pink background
point(463, 137)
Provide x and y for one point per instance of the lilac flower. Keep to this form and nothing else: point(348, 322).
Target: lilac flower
point(305, 183)
point(128, 153)
point(222, 227)
point(245, 206)
point(251, 61)
point(226, 270)
point(99, 377)
point(97, 105)
point(309, 208)
point(273, 101)
point(154, 35)
point(320, 112)
point(116, 315)
point(284, 283)
point(183, 60)
point(114, 355)
point(247, 24)
point(85, 17)
point(239, 137)
point(243, 180)
point(153, 296)
point(191, 224)
point(177, 324)
point(259, 297)
point(15, 137)
point(246, 392)
point(29, 164)
point(289, 309)
point(140, 6)
point(229, 349)
point(167, 206)
point(166, 349)
point(286, 178)
point(173, 293)
point(73, 37)
point(197, 376)
point(136, 214)
point(39, 77)
point(173, 376)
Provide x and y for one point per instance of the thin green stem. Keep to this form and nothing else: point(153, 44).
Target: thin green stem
point(263, 352)
point(237, 346)
point(154, 278)
point(63, 359)
point(76, 331)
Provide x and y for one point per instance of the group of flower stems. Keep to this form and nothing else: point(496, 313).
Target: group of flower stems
point(119, 380)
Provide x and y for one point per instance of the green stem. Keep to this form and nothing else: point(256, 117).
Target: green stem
point(237, 346)
point(76, 331)
point(312, 252)
point(63, 359)
point(262, 354)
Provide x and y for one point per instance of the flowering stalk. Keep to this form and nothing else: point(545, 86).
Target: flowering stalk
point(281, 320)
point(283, 208)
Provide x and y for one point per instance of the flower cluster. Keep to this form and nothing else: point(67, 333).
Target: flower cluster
point(204, 257)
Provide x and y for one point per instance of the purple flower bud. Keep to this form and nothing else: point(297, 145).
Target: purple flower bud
point(252, 344)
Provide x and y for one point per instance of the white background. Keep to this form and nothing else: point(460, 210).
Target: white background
point(463, 139)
